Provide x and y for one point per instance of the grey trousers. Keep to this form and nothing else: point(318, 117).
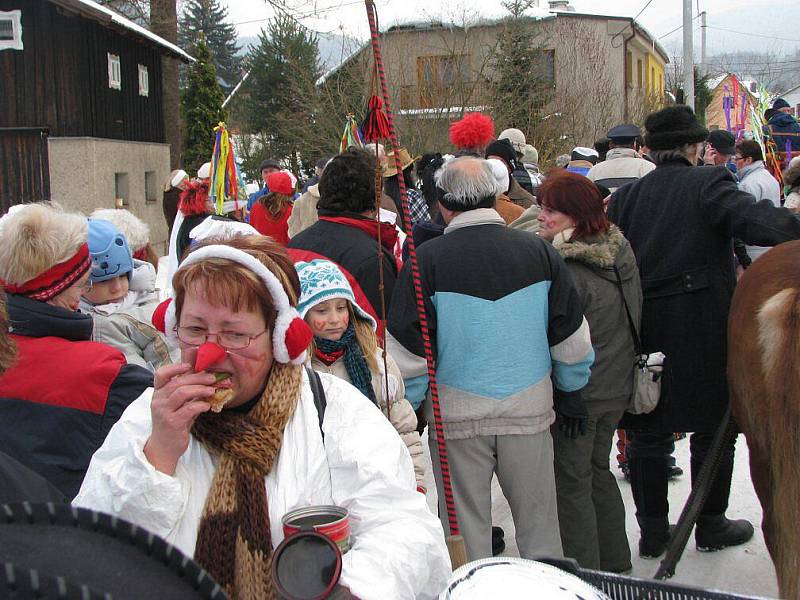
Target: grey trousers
point(590, 507)
point(524, 467)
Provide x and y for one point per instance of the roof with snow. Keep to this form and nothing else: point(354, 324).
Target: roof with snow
point(532, 14)
point(108, 17)
point(753, 88)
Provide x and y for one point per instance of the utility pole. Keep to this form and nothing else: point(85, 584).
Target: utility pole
point(703, 65)
point(688, 59)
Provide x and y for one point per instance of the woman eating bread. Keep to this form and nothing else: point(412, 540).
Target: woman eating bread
point(216, 484)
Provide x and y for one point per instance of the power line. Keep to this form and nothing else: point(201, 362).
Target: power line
point(678, 28)
point(760, 35)
point(284, 9)
point(643, 9)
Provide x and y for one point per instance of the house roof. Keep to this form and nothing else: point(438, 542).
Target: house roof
point(108, 17)
point(789, 91)
point(533, 14)
point(746, 84)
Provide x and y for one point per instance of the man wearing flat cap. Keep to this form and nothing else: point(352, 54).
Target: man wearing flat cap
point(680, 221)
point(623, 163)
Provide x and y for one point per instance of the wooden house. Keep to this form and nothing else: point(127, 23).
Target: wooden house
point(81, 119)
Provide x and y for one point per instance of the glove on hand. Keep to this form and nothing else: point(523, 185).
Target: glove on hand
point(571, 414)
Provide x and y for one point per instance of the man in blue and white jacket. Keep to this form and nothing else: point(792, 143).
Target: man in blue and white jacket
point(511, 345)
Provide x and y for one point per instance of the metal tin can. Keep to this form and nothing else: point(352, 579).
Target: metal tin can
point(331, 521)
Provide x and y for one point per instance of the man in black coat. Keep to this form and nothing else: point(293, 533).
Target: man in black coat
point(681, 221)
point(347, 231)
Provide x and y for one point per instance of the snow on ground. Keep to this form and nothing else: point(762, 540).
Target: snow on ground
point(743, 570)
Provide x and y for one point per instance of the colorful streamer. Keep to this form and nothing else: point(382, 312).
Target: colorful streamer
point(351, 135)
point(226, 181)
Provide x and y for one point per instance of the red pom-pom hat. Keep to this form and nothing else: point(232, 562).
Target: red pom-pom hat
point(472, 132)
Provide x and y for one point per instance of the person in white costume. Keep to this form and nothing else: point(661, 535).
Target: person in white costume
point(217, 484)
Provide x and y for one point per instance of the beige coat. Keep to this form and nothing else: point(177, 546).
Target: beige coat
point(304, 211)
point(399, 413)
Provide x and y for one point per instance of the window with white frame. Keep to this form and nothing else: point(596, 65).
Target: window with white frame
point(114, 72)
point(144, 81)
point(11, 30)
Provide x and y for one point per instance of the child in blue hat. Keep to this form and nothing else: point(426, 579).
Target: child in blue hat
point(122, 298)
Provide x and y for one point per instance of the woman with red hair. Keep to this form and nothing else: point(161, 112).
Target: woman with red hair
point(603, 268)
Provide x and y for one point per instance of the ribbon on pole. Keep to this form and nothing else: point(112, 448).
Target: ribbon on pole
point(455, 542)
point(351, 136)
point(225, 180)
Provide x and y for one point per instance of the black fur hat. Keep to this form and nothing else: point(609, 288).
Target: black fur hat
point(672, 127)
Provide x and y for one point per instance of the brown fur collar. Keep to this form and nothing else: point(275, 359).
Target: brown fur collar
point(600, 252)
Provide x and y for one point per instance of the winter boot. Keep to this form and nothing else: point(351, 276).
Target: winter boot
point(498, 543)
point(716, 532)
point(656, 532)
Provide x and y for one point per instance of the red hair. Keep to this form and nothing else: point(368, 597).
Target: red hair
point(474, 131)
point(577, 197)
point(194, 198)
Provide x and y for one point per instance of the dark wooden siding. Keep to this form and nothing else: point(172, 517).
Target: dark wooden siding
point(60, 79)
point(24, 167)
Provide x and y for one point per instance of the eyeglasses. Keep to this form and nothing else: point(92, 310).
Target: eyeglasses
point(230, 340)
point(85, 287)
point(738, 158)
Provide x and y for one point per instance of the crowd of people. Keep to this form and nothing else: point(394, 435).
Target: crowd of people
point(283, 363)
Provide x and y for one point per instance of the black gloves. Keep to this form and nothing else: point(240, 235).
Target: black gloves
point(571, 415)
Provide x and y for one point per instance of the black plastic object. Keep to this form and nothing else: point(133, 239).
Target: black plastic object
point(57, 551)
point(306, 566)
point(622, 587)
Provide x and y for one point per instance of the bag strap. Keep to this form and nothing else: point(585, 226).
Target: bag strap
point(637, 343)
point(320, 401)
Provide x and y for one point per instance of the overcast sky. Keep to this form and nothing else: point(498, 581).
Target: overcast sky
point(771, 25)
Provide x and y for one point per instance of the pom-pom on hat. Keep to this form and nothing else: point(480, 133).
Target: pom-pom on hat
point(281, 183)
point(473, 132)
point(322, 280)
point(291, 336)
point(671, 127)
point(500, 172)
point(111, 256)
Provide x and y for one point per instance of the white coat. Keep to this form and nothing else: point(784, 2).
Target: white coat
point(398, 545)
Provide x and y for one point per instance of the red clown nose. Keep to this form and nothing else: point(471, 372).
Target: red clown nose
point(207, 355)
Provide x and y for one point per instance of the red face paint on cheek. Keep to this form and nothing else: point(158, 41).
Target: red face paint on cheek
point(346, 320)
point(317, 325)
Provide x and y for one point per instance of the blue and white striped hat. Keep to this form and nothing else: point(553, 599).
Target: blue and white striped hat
point(322, 280)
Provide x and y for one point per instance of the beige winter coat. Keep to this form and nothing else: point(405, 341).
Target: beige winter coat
point(400, 413)
point(304, 211)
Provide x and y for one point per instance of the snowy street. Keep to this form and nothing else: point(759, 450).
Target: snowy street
point(743, 569)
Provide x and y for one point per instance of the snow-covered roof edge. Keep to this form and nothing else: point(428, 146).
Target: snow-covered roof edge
point(98, 10)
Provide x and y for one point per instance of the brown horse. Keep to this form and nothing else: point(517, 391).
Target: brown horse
point(764, 377)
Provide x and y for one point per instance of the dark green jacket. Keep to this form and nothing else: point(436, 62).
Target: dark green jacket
point(591, 263)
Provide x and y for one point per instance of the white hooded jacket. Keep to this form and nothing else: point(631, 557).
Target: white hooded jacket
point(398, 548)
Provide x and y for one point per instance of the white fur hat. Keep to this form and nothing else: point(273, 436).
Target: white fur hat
point(204, 172)
point(136, 231)
point(500, 172)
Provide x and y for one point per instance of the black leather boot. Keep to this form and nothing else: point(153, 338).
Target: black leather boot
point(498, 543)
point(715, 532)
point(656, 532)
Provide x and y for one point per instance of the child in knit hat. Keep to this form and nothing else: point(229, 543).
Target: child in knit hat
point(345, 345)
point(122, 298)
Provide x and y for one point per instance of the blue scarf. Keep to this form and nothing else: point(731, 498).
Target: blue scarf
point(354, 361)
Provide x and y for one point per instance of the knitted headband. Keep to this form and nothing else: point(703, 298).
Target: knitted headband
point(291, 335)
point(56, 279)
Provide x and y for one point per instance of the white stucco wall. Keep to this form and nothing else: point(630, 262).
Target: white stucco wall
point(82, 177)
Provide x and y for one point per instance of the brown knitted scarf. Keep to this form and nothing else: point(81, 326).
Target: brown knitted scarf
point(234, 543)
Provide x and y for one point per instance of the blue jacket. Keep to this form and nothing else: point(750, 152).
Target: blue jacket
point(783, 123)
point(506, 327)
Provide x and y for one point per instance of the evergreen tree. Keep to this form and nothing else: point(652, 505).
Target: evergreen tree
point(211, 19)
point(523, 83)
point(281, 93)
point(201, 107)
